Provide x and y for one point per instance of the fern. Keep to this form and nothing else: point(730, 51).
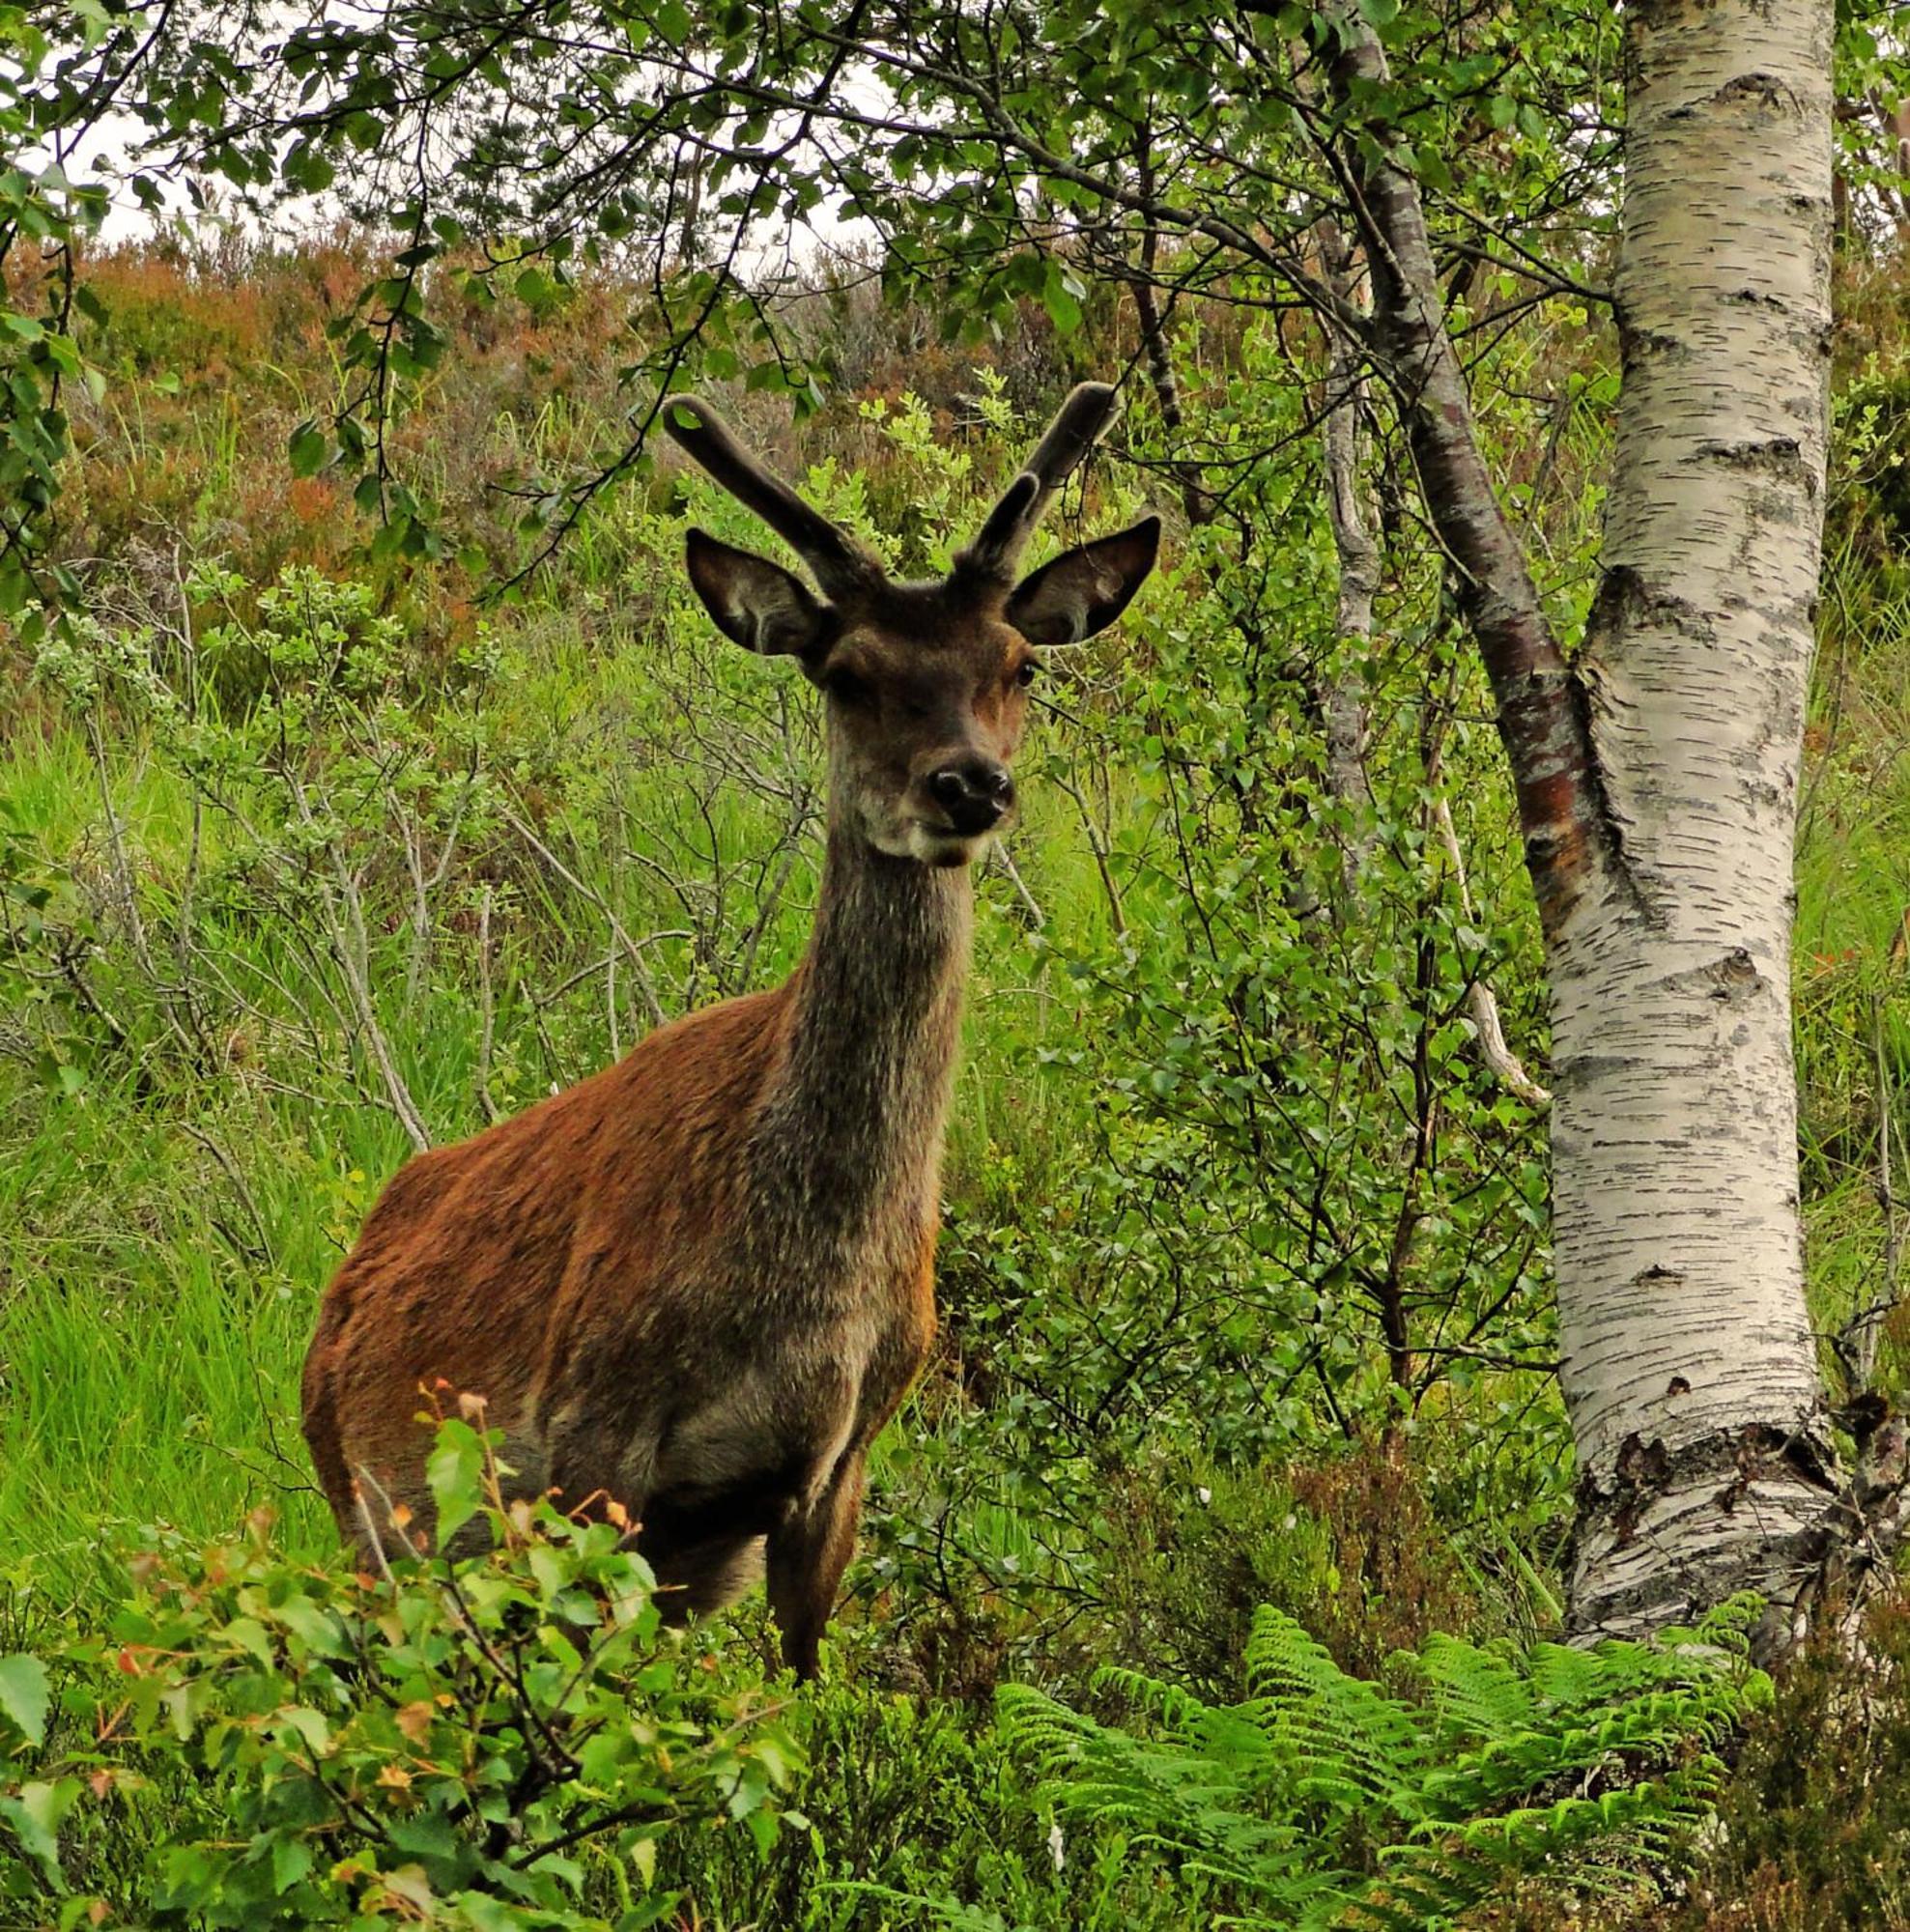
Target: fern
point(1327, 1802)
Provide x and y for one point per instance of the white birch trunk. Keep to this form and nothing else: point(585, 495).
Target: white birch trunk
point(1347, 727)
point(1690, 1369)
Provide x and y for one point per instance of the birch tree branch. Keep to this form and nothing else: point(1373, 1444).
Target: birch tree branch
point(1540, 706)
point(1481, 1002)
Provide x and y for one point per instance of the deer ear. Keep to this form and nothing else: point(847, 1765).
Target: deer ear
point(758, 604)
point(1085, 589)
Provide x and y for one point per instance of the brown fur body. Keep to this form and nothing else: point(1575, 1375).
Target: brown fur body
point(699, 1282)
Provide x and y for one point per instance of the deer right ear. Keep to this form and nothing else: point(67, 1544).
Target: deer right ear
point(758, 604)
point(1085, 589)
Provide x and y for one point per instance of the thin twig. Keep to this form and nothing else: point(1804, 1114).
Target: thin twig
point(645, 984)
point(485, 1009)
point(1480, 998)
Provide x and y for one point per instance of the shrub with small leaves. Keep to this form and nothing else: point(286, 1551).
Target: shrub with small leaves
point(495, 1741)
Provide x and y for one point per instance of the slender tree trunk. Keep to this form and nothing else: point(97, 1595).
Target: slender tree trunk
point(1195, 503)
point(1656, 778)
point(1704, 1460)
point(1897, 127)
point(1342, 699)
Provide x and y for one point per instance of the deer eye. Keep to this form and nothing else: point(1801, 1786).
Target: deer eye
point(1027, 673)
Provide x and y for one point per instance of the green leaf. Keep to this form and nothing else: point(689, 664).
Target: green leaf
point(648, 1912)
point(35, 1816)
point(249, 1635)
point(487, 1913)
point(310, 1725)
point(25, 1694)
point(455, 1473)
point(291, 1860)
point(391, 537)
point(313, 1626)
point(1060, 298)
point(308, 449)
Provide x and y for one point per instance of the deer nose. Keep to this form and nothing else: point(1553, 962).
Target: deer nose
point(975, 794)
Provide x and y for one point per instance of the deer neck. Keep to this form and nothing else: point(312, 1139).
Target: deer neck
point(851, 1137)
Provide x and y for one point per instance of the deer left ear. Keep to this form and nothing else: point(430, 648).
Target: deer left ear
point(759, 604)
point(1085, 589)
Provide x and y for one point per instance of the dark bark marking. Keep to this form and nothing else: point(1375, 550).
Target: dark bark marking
point(1736, 975)
point(1646, 1470)
point(1779, 454)
point(1764, 89)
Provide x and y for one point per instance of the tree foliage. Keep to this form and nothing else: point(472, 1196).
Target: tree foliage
point(1026, 150)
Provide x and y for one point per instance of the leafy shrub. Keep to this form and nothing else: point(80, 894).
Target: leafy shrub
point(1322, 1801)
point(501, 1741)
point(1813, 1829)
point(1346, 1545)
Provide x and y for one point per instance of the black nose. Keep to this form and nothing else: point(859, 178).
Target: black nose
point(975, 794)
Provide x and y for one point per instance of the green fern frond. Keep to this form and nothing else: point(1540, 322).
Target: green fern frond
point(1475, 1693)
point(1569, 1760)
point(951, 1913)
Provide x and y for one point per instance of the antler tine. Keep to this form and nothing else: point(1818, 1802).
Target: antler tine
point(1078, 425)
point(840, 564)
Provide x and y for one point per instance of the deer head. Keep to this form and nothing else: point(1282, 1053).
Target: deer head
point(926, 683)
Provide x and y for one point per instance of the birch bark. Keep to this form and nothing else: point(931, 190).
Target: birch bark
point(1656, 777)
point(1690, 1369)
point(1341, 704)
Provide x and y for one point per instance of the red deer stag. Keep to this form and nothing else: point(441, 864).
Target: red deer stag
point(701, 1281)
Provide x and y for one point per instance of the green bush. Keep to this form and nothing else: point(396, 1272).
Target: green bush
point(908, 1796)
point(1812, 1832)
point(499, 1740)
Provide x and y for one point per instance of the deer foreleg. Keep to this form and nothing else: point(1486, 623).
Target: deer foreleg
point(807, 1553)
